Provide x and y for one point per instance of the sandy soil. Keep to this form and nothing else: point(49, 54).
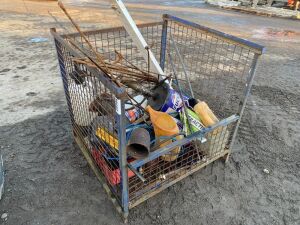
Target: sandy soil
point(49, 182)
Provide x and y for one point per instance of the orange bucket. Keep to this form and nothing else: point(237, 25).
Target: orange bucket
point(164, 125)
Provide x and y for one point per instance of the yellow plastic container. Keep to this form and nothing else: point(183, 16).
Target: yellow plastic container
point(205, 114)
point(164, 125)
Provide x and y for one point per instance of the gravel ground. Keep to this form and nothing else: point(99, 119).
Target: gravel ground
point(49, 182)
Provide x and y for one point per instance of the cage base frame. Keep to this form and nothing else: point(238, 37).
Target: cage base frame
point(224, 156)
point(85, 151)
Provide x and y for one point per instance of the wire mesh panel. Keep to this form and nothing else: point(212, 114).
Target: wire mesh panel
point(92, 104)
point(220, 69)
point(108, 41)
point(92, 109)
point(164, 171)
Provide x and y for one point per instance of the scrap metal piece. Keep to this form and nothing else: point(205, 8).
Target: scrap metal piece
point(139, 143)
point(137, 173)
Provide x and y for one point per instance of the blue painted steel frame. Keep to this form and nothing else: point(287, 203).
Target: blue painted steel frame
point(163, 44)
point(63, 73)
point(164, 150)
point(247, 90)
point(121, 120)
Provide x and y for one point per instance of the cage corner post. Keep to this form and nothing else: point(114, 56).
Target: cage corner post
point(120, 110)
point(63, 69)
point(247, 90)
point(163, 43)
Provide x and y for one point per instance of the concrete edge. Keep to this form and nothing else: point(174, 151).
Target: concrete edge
point(256, 11)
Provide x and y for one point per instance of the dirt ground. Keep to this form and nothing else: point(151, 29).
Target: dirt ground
point(47, 178)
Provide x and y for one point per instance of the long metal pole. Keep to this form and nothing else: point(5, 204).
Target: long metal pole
point(183, 102)
point(180, 92)
point(163, 48)
point(120, 111)
point(246, 94)
point(182, 64)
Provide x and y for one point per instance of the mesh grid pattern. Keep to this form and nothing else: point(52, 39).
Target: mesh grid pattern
point(160, 172)
point(92, 111)
point(92, 104)
point(217, 69)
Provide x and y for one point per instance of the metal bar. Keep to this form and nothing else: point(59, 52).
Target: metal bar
point(165, 186)
point(164, 150)
point(181, 96)
point(163, 44)
point(119, 92)
point(121, 119)
point(138, 174)
point(62, 68)
point(182, 64)
point(259, 49)
point(180, 93)
point(246, 93)
point(110, 29)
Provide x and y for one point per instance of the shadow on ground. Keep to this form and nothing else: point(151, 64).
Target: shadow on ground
point(49, 182)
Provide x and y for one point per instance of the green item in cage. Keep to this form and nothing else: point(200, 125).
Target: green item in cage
point(195, 123)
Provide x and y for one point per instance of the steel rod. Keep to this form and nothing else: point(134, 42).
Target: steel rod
point(120, 111)
point(246, 94)
point(182, 64)
point(183, 102)
point(164, 150)
point(138, 174)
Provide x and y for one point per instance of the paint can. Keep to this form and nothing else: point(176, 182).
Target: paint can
point(132, 112)
point(166, 99)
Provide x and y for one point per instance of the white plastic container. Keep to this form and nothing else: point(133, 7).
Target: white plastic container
point(81, 98)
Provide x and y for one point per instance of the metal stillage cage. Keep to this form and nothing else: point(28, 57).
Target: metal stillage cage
point(220, 69)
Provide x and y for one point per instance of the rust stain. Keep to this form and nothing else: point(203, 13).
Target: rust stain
point(282, 33)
